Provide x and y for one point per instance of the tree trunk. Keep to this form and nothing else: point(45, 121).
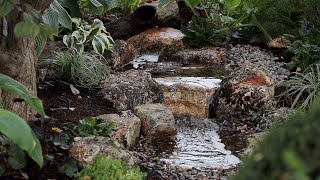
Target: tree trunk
point(19, 61)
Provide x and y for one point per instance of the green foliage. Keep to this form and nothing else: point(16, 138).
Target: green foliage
point(219, 26)
point(289, 151)
point(25, 138)
point(302, 88)
point(90, 127)
point(68, 167)
point(304, 54)
point(34, 24)
point(83, 69)
point(102, 168)
point(280, 17)
point(88, 37)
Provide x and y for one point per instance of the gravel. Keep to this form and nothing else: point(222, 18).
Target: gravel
point(241, 55)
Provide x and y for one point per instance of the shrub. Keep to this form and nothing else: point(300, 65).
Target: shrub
point(102, 168)
point(280, 17)
point(83, 69)
point(289, 151)
point(303, 87)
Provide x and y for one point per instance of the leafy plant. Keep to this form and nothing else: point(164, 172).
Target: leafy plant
point(102, 168)
point(216, 23)
point(25, 138)
point(304, 55)
point(295, 150)
point(90, 127)
point(88, 37)
point(282, 17)
point(302, 88)
point(83, 69)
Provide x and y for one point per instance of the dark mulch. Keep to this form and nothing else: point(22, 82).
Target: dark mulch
point(62, 106)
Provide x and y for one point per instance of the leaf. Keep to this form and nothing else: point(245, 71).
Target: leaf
point(16, 159)
point(74, 90)
point(9, 84)
point(97, 46)
point(96, 7)
point(72, 6)
point(232, 4)
point(68, 41)
point(41, 39)
point(6, 6)
point(24, 138)
point(26, 28)
point(63, 16)
point(51, 18)
point(192, 3)
point(69, 167)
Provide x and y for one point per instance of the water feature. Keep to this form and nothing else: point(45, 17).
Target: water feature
point(198, 143)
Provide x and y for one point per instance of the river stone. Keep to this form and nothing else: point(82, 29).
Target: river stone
point(126, 53)
point(128, 127)
point(206, 55)
point(131, 88)
point(244, 92)
point(188, 96)
point(157, 120)
point(84, 149)
point(158, 40)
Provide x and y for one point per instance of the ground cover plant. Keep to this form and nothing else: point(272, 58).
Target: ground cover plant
point(103, 168)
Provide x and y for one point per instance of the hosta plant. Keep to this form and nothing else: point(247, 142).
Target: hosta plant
point(88, 37)
point(16, 129)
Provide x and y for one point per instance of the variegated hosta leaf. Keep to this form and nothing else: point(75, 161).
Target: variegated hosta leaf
point(68, 41)
point(79, 47)
point(98, 46)
point(106, 40)
point(80, 38)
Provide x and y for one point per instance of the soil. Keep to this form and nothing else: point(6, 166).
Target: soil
point(62, 106)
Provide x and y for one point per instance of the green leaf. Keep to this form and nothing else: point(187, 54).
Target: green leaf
point(16, 159)
point(232, 4)
point(97, 45)
point(51, 18)
point(96, 7)
point(79, 37)
point(26, 28)
point(63, 16)
point(69, 167)
point(73, 6)
point(6, 6)
point(18, 131)
point(68, 41)
point(192, 3)
point(41, 39)
point(9, 84)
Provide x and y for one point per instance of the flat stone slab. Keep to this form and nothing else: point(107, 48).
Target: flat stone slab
point(188, 96)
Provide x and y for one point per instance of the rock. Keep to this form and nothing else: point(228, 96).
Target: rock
point(207, 55)
point(243, 92)
point(188, 96)
point(157, 120)
point(158, 40)
point(84, 149)
point(127, 130)
point(126, 52)
point(253, 139)
point(131, 88)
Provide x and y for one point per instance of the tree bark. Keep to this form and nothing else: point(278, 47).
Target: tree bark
point(19, 61)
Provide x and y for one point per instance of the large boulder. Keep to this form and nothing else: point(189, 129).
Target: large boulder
point(131, 88)
point(206, 55)
point(158, 40)
point(243, 92)
point(128, 127)
point(157, 120)
point(84, 149)
point(188, 96)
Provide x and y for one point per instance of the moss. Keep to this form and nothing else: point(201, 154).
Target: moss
point(289, 151)
point(102, 168)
